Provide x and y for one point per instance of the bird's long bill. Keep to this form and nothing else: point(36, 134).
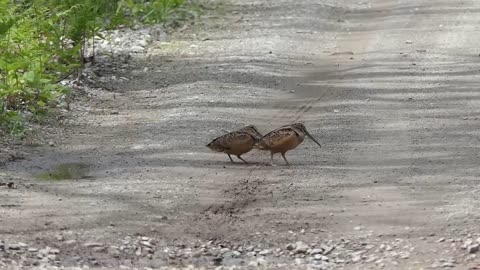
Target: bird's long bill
point(311, 137)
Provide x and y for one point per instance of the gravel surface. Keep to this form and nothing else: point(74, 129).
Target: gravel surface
point(388, 87)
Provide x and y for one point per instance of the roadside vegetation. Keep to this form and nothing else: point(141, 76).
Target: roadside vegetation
point(44, 41)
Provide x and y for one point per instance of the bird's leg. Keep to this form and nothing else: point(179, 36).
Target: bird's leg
point(283, 155)
point(271, 159)
point(230, 158)
point(242, 159)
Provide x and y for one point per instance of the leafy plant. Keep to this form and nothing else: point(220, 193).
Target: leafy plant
point(42, 40)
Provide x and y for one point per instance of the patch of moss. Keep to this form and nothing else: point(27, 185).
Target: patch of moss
point(66, 171)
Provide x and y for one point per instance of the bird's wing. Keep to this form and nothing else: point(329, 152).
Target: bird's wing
point(275, 138)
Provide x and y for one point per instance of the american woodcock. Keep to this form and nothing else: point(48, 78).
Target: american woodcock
point(236, 142)
point(283, 139)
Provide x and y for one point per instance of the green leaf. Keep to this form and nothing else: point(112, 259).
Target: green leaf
point(29, 76)
point(41, 103)
point(6, 25)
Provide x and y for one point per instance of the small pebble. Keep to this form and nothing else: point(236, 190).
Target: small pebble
point(14, 247)
point(93, 244)
point(290, 246)
point(356, 259)
point(301, 247)
point(265, 252)
point(98, 249)
point(70, 242)
point(299, 261)
point(261, 261)
point(473, 248)
point(448, 265)
point(146, 243)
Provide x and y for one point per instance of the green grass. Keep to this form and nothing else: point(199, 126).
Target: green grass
point(66, 171)
point(43, 40)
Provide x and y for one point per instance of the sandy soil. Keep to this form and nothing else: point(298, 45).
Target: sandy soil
point(389, 87)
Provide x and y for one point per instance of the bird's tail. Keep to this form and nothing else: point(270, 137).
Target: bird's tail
point(216, 145)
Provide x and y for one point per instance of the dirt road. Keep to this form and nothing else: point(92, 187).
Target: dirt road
point(389, 87)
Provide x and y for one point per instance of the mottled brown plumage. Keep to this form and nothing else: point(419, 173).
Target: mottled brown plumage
point(284, 139)
point(237, 142)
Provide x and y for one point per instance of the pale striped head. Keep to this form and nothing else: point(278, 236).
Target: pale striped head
point(251, 130)
point(301, 127)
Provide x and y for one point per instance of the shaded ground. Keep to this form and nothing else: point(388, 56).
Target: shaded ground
point(388, 87)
